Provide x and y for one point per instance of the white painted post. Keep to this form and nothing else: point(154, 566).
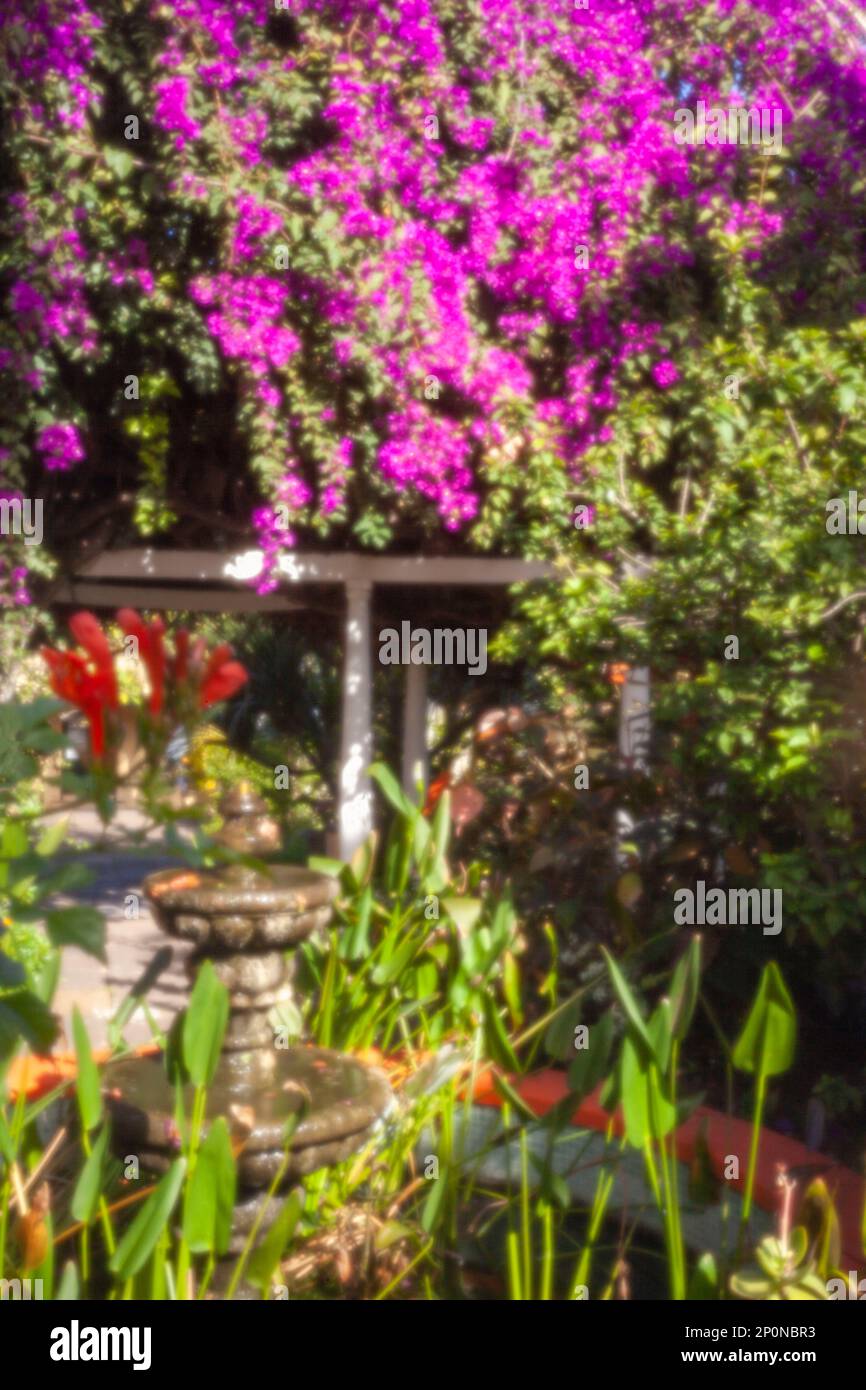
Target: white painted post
point(634, 719)
point(634, 737)
point(355, 812)
point(414, 729)
point(634, 722)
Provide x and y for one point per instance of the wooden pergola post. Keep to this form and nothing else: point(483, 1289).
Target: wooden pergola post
point(414, 760)
point(356, 733)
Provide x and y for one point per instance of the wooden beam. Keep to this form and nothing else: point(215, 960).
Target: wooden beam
point(113, 595)
point(414, 759)
point(331, 567)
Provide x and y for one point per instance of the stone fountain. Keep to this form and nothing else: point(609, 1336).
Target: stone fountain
point(244, 920)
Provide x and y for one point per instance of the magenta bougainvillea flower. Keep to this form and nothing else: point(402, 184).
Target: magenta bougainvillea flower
point(60, 446)
point(665, 373)
point(410, 249)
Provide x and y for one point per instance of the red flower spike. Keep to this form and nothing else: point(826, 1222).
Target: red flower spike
point(88, 633)
point(71, 680)
point(151, 650)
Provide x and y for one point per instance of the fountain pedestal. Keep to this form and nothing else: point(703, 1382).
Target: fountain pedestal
point(244, 920)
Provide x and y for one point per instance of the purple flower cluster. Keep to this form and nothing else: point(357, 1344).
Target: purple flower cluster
point(61, 446)
point(171, 110)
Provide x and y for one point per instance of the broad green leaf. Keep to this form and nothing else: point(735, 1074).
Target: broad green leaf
point(204, 1025)
point(24, 1018)
point(511, 987)
point(628, 1002)
point(13, 840)
point(362, 861)
point(138, 1241)
point(391, 789)
point(441, 827)
point(421, 837)
point(590, 1063)
point(52, 838)
point(659, 1029)
point(89, 1185)
point(211, 1193)
point(766, 1044)
point(87, 1083)
point(684, 989)
point(266, 1257)
point(83, 927)
point(634, 1093)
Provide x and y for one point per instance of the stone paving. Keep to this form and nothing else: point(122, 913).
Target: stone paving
point(118, 866)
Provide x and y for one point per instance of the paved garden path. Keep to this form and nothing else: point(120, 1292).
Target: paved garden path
point(118, 866)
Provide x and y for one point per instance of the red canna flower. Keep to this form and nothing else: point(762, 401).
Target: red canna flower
point(435, 791)
point(222, 677)
point(151, 650)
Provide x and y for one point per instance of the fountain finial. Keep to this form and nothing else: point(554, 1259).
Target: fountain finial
point(248, 828)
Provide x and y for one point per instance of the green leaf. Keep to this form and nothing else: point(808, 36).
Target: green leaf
point(391, 789)
point(559, 1038)
point(13, 840)
point(87, 1083)
point(684, 989)
point(139, 1240)
point(69, 1288)
point(465, 912)
point(766, 1044)
point(704, 1281)
point(590, 1063)
point(441, 828)
point(89, 1185)
point(211, 1193)
point(204, 1025)
point(388, 970)
point(434, 1199)
point(659, 1029)
point(24, 1017)
point(266, 1257)
point(355, 941)
point(52, 838)
point(119, 162)
point(83, 927)
point(634, 1093)
point(628, 1003)
point(498, 1042)
point(332, 867)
